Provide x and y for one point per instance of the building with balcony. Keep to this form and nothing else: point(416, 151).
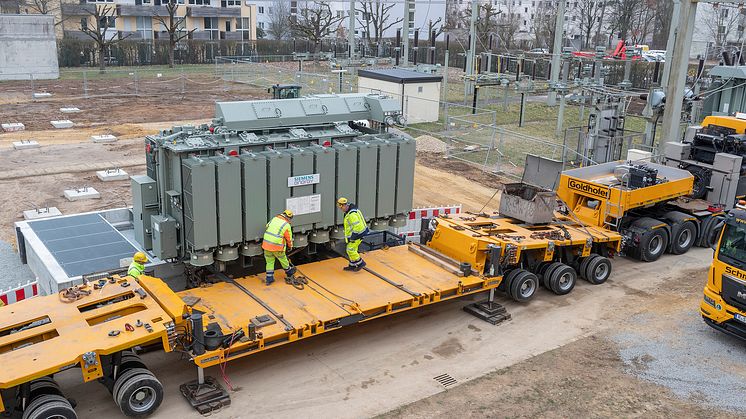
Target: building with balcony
point(137, 20)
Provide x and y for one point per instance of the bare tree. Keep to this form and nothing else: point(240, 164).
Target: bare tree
point(543, 26)
point(175, 26)
point(508, 22)
point(631, 20)
point(279, 26)
point(376, 13)
point(103, 33)
point(718, 24)
point(487, 21)
point(663, 14)
point(435, 26)
point(588, 13)
point(315, 21)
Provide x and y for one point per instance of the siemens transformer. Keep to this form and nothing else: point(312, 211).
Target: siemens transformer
point(210, 190)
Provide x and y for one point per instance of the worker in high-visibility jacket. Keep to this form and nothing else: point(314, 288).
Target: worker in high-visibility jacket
point(137, 267)
point(355, 229)
point(278, 239)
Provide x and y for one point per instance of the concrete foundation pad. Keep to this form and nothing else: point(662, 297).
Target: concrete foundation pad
point(112, 175)
point(36, 214)
point(42, 95)
point(65, 123)
point(13, 127)
point(25, 144)
point(104, 138)
point(82, 193)
point(69, 110)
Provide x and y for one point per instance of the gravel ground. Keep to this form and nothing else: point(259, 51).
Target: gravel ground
point(430, 144)
point(691, 359)
point(13, 272)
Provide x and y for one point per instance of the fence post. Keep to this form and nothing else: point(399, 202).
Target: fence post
point(137, 84)
point(31, 77)
point(183, 81)
point(498, 163)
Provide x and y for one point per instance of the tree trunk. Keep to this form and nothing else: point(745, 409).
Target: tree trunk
point(171, 49)
point(101, 58)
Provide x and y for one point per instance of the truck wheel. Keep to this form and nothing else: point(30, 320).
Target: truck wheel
point(683, 236)
point(652, 244)
point(50, 406)
point(710, 234)
point(507, 279)
point(523, 286)
point(584, 265)
point(548, 274)
point(138, 394)
point(42, 386)
point(598, 270)
point(563, 279)
point(123, 377)
point(541, 269)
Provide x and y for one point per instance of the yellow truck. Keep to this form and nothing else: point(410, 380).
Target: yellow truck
point(647, 203)
point(723, 305)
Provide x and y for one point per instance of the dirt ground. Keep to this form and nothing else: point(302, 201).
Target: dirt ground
point(588, 377)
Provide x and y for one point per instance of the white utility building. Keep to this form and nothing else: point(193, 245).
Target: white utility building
point(419, 92)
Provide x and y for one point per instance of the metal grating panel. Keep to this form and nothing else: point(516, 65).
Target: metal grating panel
point(83, 244)
point(445, 380)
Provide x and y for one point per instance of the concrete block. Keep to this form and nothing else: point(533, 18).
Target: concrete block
point(112, 175)
point(25, 144)
point(103, 138)
point(81, 193)
point(38, 213)
point(64, 123)
point(634, 154)
point(29, 47)
point(42, 95)
point(69, 110)
point(13, 127)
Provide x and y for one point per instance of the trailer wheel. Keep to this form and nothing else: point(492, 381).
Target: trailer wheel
point(523, 286)
point(123, 377)
point(584, 265)
point(42, 386)
point(653, 244)
point(50, 406)
point(138, 393)
point(563, 279)
point(507, 279)
point(683, 236)
point(548, 274)
point(711, 228)
point(542, 268)
point(598, 270)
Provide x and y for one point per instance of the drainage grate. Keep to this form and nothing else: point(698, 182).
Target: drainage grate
point(445, 380)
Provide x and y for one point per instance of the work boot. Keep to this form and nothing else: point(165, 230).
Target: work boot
point(270, 278)
point(350, 267)
point(289, 272)
point(360, 265)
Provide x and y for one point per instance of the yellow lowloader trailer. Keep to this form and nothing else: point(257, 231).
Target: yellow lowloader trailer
point(647, 203)
point(96, 327)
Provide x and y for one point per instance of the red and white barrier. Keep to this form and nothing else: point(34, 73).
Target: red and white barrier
point(19, 293)
point(411, 231)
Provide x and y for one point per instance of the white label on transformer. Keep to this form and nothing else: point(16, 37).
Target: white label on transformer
point(304, 204)
point(303, 180)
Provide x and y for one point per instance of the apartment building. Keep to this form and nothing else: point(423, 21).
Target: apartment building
point(210, 20)
point(421, 14)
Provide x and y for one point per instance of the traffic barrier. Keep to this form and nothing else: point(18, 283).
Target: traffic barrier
point(411, 231)
point(22, 292)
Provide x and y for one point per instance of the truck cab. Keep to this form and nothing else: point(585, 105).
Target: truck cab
point(285, 91)
point(724, 303)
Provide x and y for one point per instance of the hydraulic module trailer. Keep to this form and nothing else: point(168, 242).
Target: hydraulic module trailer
point(95, 326)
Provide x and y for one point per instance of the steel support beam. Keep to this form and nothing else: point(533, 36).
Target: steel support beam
point(679, 63)
point(559, 34)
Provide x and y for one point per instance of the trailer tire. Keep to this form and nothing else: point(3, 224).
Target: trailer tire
point(563, 279)
point(548, 274)
point(710, 233)
point(507, 279)
point(42, 386)
point(131, 360)
point(523, 286)
point(123, 377)
point(683, 236)
point(598, 270)
point(49, 406)
point(542, 268)
point(584, 265)
point(139, 394)
point(653, 244)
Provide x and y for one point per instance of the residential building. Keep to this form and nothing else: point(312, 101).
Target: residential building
point(422, 15)
point(233, 20)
